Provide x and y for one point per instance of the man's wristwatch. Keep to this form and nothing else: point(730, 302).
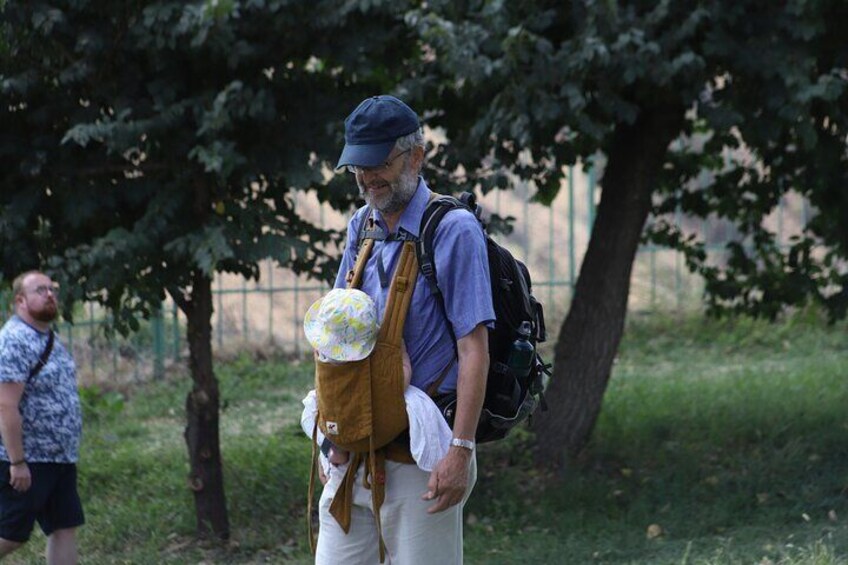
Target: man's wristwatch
point(463, 443)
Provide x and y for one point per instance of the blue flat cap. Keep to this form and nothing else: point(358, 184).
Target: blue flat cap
point(372, 129)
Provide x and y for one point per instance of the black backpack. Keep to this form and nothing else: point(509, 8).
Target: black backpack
point(511, 397)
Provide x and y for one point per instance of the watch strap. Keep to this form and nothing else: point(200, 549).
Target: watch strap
point(463, 443)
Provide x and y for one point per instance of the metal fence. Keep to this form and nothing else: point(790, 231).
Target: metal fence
point(267, 314)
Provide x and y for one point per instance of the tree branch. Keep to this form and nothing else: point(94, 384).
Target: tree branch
point(179, 298)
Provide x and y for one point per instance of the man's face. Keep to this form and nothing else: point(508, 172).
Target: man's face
point(38, 298)
point(389, 188)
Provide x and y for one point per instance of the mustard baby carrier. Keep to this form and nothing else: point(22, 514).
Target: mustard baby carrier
point(361, 407)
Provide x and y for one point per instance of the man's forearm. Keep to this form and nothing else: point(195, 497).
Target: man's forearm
point(11, 432)
point(473, 351)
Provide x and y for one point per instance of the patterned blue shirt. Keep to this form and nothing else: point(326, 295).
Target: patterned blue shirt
point(50, 405)
point(462, 271)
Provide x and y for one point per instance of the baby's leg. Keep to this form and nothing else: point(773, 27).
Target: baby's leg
point(338, 456)
point(407, 365)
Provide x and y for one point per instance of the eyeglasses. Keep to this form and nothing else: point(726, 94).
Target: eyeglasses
point(356, 169)
point(44, 289)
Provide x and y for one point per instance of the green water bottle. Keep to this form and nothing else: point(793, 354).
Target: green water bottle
point(521, 353)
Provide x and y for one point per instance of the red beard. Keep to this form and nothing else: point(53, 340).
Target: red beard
point(47, 313)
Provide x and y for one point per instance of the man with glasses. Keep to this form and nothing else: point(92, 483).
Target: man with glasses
point(421, 515)
point(40, 425)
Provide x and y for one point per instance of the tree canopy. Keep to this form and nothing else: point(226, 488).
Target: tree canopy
point(145, 146)
point(141, 138)
point(717, 109)
point(529, 87)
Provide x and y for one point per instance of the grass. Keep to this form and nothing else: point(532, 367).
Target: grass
point(719, 442)
point(727, 437)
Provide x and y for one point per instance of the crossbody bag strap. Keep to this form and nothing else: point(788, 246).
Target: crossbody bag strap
point(42, 360)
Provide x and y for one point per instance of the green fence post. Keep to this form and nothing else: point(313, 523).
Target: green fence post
point(652, 250)
point(678, 279)
point(526, 223)
point(91, 341)
point(572, 270)
point(244, 328)
point(591, 181)
point(295, 318)
point(158, 344)
point(220, 324)
point(175, 328)
point(270, 302)
point(551, 273)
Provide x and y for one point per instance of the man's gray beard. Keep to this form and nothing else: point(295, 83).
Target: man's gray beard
point(402, 191)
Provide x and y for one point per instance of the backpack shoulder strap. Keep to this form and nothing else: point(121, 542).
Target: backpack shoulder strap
point(433, 214)
point(438, 206)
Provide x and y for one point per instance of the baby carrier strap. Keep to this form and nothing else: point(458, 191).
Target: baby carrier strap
point(400, 296)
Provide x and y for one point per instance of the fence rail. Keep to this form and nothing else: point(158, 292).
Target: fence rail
point(268, 313)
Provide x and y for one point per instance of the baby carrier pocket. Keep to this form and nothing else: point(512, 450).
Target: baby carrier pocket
point(345, 411)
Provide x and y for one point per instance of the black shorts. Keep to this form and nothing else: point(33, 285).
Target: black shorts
point(52, 499)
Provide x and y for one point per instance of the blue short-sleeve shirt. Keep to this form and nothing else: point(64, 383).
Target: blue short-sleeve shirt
point(50, 407)
point(462, 272)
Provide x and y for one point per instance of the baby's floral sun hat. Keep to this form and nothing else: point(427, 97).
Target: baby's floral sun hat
point(343, 325)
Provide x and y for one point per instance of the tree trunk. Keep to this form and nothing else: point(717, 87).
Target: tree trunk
point(202, 414)
point(590, 335)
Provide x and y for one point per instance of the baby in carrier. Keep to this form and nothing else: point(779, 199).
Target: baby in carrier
point(342, 327)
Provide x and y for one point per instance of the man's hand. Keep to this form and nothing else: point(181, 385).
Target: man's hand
point(449, 480)
point(19, 477)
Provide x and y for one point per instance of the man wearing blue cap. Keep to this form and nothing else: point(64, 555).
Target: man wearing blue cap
point(421, 515)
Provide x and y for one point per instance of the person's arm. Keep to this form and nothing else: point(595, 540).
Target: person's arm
point(407, 365)
point(12, 434)
point(449, 480)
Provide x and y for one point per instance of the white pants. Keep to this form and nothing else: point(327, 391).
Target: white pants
point(412, 536)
